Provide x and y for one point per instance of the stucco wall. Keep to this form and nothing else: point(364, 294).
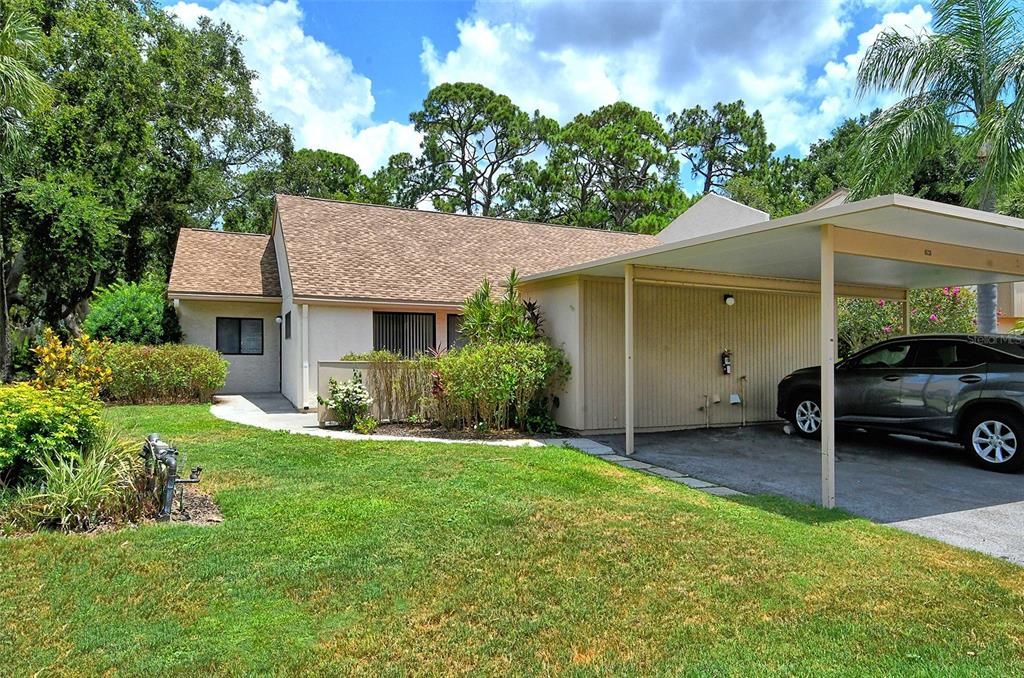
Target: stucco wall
point(559, 304)
point(246, 373)
point(680, 333)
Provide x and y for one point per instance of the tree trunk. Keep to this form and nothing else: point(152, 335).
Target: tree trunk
point(6, 373)
point(988, 294)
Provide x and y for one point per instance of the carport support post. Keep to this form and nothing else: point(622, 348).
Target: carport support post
point(828, 362)
point(629, 359)
point(906, 313)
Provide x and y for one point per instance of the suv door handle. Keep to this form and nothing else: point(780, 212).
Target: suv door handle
point(891, 377)
point(970, 379)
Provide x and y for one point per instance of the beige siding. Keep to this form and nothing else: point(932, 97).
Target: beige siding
point(680, 334)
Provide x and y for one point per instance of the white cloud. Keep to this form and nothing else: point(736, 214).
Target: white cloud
point(307, 84)
point(564, 57)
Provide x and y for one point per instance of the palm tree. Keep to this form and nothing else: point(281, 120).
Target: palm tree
point(964, 79)
point(21, 89)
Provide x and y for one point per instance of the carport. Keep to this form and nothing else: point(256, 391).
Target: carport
point(882, 247)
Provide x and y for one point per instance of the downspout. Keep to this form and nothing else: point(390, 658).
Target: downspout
point(305, 356)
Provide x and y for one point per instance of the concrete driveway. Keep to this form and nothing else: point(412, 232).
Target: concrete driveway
point(919, 486)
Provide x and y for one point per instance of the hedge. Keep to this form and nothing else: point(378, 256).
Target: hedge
point(54, 422)
point(169, 373)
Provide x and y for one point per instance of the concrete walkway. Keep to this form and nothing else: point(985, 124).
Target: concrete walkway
point(273, 412)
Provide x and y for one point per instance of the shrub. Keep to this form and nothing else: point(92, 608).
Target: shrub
point(80, 362)
point(52, 423)
point(490, 383)
point(508, 319)
point(862, 322)
point(81, 489)
point(348, 400)
point(365, 425)
point(169, 373)
point(130, 312)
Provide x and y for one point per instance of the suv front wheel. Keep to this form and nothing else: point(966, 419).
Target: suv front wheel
point(805, 415)
point(995, 440)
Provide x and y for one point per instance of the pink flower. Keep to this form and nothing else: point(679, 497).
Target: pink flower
point(881, 302)
point(934, 318)
point(945, 291)
point(956, 291)
point(887, 329)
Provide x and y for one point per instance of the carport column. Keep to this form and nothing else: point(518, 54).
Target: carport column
point(906, 313)
point(828, 366)
point(629, 359)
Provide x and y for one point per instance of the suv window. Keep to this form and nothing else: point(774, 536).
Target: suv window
point(890, 355)
point(951, 354)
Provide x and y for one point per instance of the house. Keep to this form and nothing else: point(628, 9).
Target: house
point(336, 278)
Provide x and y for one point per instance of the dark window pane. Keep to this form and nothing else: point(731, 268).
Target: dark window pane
point(288, 325)
point(228, 335)
point(251, 342)
point(405, 333)
point(891, 355)
point(455, 338)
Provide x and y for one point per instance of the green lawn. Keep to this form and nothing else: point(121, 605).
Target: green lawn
point(408, 558)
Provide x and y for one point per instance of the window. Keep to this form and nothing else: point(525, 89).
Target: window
point(288, 325)
point(240, 336)
point(455, 338)
point(405, 333)
point(890, 355)
point(953, 354)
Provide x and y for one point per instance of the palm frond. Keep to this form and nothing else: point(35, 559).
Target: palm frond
point(899, 138)
point(999, 137)
point(912, 65)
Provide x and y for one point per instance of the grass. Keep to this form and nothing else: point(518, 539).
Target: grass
point(379, 558)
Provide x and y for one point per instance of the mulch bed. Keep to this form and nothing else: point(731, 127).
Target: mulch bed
point(430, 431)
point(200, 509)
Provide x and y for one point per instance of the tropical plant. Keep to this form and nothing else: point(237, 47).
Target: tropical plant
point(348, 400)
point(507, 319)
point(965, 77)
point(21, 88)
point(79, 362)
point(79, 489)
point(131, 312)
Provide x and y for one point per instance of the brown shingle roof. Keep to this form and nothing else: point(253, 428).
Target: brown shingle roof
point(356, 251)
point(215, 262)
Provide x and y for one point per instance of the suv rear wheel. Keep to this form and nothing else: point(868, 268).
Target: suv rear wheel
point(806, 415)
point(995, 440)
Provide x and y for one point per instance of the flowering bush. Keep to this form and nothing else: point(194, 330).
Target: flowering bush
point(348, 400)
point(78, 362)
point(862, 322)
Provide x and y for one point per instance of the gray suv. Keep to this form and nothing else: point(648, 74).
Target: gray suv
point(968, 388)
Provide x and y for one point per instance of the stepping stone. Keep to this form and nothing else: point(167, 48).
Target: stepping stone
point(723, 491)
point(693, 482)
point(632, 463)
point(664, 472)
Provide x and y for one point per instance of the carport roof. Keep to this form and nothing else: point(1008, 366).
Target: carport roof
point(892, 241)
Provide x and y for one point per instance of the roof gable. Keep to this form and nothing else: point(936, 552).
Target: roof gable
point(223, 263)
point(711, 214)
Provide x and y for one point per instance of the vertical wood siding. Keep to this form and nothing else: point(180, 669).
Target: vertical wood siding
point(680, 334)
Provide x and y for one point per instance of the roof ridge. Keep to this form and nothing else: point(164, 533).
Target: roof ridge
point(474, 216)
point(223, 232)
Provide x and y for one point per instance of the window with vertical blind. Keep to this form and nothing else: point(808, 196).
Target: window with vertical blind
point(404, 333)
point(455, 338)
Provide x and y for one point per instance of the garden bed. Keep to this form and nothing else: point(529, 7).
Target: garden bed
point(400, 428)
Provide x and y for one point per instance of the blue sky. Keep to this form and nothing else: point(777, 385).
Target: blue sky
point(346, 75)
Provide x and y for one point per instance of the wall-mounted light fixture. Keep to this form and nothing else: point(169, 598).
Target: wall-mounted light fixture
point(278, 320)
point(730, 300)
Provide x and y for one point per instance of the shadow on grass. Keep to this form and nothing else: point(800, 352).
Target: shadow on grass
point(808, 514)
